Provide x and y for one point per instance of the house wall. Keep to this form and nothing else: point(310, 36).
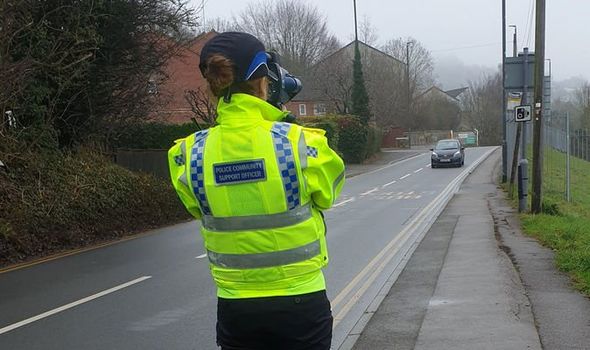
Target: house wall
point(183, 75)
point(295, 107)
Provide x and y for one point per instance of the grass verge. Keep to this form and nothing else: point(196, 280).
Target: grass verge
point(565, 226)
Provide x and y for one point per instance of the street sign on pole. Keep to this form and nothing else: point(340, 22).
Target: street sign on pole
point(522, 114)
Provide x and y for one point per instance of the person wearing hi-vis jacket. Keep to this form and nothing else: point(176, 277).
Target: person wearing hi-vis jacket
point(259, 186)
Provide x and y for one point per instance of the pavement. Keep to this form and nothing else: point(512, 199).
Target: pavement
point(475, 282)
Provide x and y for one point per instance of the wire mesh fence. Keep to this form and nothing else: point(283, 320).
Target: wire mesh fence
point(566, 160)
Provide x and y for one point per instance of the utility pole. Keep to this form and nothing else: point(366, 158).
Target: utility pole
point(408, 86)
point(538, 107)
point(525, 101)
point(356, 32)
point(504, 103)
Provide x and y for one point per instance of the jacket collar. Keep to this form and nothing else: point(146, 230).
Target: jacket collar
point(246, 109)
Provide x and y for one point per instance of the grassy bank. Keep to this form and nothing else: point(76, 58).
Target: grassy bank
point(51, 201)
point(565, 227)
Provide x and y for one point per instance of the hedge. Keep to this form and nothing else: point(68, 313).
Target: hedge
point(354, 140)
point(346, 134)
point(153, 135)
point(53, 201)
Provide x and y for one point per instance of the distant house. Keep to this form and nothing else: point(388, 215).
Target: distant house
point(439, 109)
point(328, 85)
point(310, 102)
point(452, 96)
point(182, 74)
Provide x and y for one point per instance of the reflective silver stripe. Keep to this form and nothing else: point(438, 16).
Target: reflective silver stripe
point(302, 148)
point(336, 183)
point(257, 222)
point(262, 260)
point(338, 180)
point(183, 178)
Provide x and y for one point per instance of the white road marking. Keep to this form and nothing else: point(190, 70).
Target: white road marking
point(428, 165)
point(389, 183)
point(403, 177)
point(369, 191)
point(201, 256)
point(419, 170)
point(71, 305)
point(343, 202)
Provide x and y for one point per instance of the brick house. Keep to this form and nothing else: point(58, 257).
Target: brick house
point(182, 75)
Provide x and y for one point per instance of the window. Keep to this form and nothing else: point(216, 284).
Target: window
point(302, 109)
point(319, 109)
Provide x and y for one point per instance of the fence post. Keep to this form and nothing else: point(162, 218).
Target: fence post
point(568, 193)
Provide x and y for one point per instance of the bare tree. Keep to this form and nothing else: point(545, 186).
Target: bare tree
point(83, 67)
point(421, 66)
point(483, 108)
point(294, 29)
point(202, 106)
point(367, 32)
point(220, 25)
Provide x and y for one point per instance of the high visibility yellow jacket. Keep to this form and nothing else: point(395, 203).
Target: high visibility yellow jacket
point(258, 186)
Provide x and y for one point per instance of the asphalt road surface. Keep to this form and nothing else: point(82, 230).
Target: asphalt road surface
point(155, 292)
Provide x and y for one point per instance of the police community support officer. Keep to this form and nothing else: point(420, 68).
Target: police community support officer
point(258, 185)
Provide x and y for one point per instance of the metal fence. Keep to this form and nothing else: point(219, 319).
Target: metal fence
point(153, 161)
point(566, 157)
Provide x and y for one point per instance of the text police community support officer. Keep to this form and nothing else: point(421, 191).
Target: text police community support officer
point(258, 185)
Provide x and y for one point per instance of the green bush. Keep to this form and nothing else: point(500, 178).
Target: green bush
point(375, 138)
point(327, 124)
point(52, 201)
point(353, 138)
point(153, 135)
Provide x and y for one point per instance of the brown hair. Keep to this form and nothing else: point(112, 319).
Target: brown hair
point(219, 73)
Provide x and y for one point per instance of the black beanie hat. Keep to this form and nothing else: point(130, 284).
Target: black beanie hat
point(245, 51)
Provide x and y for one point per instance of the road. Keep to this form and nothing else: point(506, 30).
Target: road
point(155, 292)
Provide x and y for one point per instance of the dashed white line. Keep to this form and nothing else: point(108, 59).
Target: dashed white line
point(201, 256)
point(403, 177)
point(71, 305)
point(370, 191)
point(428, 165)
point(343, 202)
point(389, 183)
point(419, 170)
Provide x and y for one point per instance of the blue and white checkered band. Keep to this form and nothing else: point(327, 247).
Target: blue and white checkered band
point(312, 152)
point(197, 174)
point(179, 160)
point(286, 163)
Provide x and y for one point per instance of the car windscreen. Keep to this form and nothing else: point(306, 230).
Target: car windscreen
point(444, 145)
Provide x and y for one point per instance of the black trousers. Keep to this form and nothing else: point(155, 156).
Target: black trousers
point(302, 322)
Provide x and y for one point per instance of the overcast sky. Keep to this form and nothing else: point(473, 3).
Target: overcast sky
point(469, 30)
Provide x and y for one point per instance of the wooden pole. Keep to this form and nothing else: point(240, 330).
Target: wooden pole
point(536, 203)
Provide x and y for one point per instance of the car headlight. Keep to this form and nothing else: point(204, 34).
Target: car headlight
point(434, 155)
point(457, 154)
